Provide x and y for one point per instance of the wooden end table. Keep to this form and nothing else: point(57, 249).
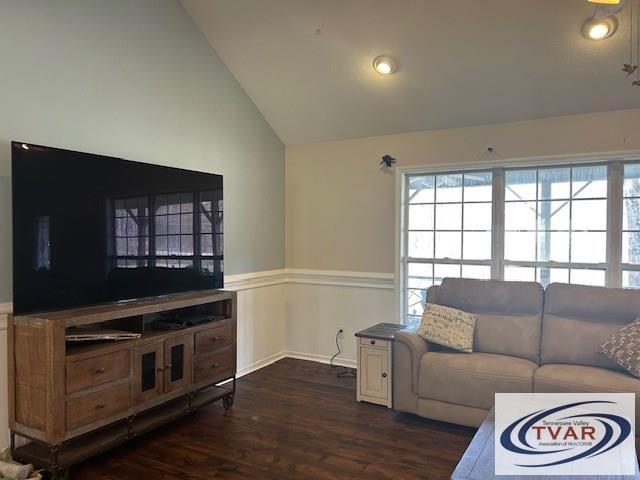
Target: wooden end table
point(375, 354)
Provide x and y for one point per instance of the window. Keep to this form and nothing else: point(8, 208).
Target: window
point(182, 230)
point(631, 227)
point(131, 220)
point(211, 235)
point(174, 230)
point(449, 221)
point(555, 224)
point(575, 223)
point(42, 259)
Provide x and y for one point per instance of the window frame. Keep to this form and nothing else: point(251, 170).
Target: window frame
point(615, 178)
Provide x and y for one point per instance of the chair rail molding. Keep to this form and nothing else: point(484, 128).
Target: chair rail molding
point(341, 278)
point(248, 281)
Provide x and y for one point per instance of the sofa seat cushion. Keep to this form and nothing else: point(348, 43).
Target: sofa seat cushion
point(559, 378)
point(472, 379)
point(564, 378)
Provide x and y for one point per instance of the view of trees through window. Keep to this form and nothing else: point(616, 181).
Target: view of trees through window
point(555, 225)
point(545, 224)
point(182, 230)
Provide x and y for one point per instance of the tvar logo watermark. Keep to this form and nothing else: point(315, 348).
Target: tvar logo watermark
point(565, 434)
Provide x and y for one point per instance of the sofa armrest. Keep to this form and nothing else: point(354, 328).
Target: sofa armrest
point(408, 352)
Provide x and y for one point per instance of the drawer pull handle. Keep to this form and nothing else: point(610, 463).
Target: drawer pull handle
point(99, 370)
point(100, 406)
point(373, 342)
point(215, 365)
point(215, 339)
point(384, 374)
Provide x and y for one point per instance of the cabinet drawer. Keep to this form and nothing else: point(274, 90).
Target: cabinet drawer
point(97, 370)
point(214, 338)
point(374, 342)
point(90, 408)
point(215, 366)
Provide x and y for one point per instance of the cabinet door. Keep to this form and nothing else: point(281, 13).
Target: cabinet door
point(149, 377)
point(177, 359)
point(374, 378)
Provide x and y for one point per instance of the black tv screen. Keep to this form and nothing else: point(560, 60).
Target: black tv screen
point(90, 229)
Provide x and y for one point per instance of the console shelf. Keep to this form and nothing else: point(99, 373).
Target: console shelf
point(73, 400)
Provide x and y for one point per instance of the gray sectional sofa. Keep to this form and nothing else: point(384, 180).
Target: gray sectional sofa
point(526, 340)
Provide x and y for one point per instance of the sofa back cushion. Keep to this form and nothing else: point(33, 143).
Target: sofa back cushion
point(509, 314)
point(578, 319)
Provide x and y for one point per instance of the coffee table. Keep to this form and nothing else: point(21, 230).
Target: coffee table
point(478, 461)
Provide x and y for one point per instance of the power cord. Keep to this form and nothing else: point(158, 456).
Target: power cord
point(343, 371)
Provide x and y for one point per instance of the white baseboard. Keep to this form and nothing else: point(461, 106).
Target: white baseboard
point(265, 362)
point(314, 357)
point(271, 359)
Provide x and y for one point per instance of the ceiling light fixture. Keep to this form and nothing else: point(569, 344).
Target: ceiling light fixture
point(600, 28)
point(384, 65)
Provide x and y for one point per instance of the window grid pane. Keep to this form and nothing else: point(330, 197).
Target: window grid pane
point(183, 230)
point(449, 223)
point(130, 222)
point(559, 215)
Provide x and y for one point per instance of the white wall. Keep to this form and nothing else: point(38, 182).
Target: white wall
point(341, 210)
point(261, 318)
point(319, 303)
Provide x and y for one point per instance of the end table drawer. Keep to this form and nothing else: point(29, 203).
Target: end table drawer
point(373, 342)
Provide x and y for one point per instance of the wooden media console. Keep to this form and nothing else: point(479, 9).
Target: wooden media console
point(74, 400)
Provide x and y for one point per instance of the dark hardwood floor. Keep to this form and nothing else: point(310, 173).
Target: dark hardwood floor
point(291, 420)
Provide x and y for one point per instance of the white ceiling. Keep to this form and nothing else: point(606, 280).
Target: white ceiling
point(307, 63)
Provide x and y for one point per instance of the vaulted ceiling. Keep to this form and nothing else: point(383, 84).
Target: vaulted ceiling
point(307, 63)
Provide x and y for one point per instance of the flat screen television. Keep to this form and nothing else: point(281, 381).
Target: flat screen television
point(90, 229)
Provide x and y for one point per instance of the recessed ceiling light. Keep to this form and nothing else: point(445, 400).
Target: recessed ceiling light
point(600, 28)
point(384, 65)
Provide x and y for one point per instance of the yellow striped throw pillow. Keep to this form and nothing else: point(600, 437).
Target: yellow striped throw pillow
point(448, 326)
